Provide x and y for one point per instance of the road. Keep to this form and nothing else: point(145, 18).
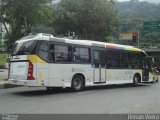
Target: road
point(93, 100)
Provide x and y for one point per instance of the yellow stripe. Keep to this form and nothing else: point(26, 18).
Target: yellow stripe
point(35, 59)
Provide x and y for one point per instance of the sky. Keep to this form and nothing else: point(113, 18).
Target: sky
point(152, 1)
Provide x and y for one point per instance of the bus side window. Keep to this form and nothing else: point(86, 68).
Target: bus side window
point(136, 60)
point(69, 54)
point(60, 53)
point(81, 54)
point(125, 60)
point(113, 59)
point(43, 51)
point(52, 53)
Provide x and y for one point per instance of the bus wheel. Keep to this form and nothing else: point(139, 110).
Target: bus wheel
point(77, 83)
point(136, 80)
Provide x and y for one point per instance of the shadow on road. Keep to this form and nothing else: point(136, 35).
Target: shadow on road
point(115, 87)
point(57, 91)
point(42, 92)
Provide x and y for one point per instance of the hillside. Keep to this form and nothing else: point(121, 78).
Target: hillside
point(132, 15)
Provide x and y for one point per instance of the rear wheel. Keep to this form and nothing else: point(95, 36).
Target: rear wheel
point(136, 80)
point(77, 83)
point(157, 80)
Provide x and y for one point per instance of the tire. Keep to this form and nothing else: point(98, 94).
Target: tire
point(136, 79)
point(77, 83)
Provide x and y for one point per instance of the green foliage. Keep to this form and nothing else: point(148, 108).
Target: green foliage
point(110, 39)
point(22, 15)
point(153, 38)
point(132, 15)
point(89, 19)
point(3, 58)
point(42, 29)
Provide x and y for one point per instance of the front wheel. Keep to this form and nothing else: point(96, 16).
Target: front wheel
point(77, 83)
point(136, 80)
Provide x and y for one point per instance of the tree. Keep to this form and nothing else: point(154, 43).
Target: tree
point(131, 17)
point(89, 19)
point(22, 15)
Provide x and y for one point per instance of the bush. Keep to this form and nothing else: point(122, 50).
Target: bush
point(2, 66)
point(3, 59)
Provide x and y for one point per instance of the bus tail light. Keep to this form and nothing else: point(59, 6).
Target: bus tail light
point(30, 72)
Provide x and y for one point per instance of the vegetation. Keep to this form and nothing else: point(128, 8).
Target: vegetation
point(3, 58)
point(133, 14)
point(89, 19)
point(22, 16)
point(100, 20)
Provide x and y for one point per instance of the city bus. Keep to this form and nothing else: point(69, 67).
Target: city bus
point(43, 60)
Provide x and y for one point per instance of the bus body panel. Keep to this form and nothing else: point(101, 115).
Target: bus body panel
point(42, 74)
point(60, 75)
point(121, 74)
point(23, 82)
point(41, 68)
point(99, 74)
point(18, 70)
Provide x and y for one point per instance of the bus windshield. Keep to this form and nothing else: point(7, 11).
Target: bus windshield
point(23, 48)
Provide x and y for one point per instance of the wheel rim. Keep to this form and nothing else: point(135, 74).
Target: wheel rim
point(136, 79)
point(77, 83)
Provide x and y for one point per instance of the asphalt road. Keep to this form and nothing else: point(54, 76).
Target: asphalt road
point(94, 100)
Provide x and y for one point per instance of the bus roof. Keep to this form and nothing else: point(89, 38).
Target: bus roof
point(48, 37)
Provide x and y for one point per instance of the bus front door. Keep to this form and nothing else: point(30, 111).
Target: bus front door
point(146, 67)
point(99, 67)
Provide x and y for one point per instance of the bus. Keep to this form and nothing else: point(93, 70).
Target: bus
point(43, 60)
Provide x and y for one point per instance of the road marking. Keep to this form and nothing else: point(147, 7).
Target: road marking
point(80, 93)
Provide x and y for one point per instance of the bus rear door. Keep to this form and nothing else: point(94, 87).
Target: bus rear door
point(99, 67)
point(146, 69)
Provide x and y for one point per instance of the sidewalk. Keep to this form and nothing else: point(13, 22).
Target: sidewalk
point(3, 77)
point(3, 74)
point(3, 80)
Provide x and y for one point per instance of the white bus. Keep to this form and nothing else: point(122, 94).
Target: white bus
point(44, 60)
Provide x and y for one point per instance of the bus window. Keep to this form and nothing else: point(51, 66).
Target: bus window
point(96, 57)
point(51, 53)
point(136, 60)
point(125, 60)
point(43, 51)
point(81, 54)
point(103, 57)
point(113, 59)
point(60, 53)
point(24, 48)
